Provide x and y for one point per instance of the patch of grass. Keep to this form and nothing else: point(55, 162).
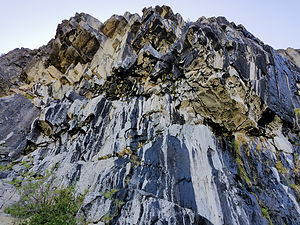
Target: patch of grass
point(280, 167)
point(3, 167)
point(265, 212)
point(297, 164)
point(124, 152)
point(7, 166)
point(106, 218)
point(242, 172)
point(41, 203)
point(236, 145)
point(16, 182)
point(110, 193)
point(28, 96)
point(295, 186)
point(174, 90)
point(119, 203)
point(26, 164)
point(116, 209)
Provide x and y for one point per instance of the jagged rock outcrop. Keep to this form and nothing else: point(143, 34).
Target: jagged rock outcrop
point(16, 116)
point(11, 67)
point(181, 122)
point(291, 54)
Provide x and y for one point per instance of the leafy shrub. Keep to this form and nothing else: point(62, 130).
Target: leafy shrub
point(41, 203)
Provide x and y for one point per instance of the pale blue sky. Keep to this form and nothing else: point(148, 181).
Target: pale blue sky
point(32, 23)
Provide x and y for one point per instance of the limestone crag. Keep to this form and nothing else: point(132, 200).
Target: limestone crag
point(291, 54)
point(181, 122)
point(11, 66)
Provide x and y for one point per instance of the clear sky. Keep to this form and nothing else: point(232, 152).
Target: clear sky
point(32, 23)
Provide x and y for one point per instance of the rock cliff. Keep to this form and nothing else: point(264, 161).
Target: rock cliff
point(181, 122)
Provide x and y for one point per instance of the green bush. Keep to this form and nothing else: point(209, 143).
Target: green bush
point(41, 203)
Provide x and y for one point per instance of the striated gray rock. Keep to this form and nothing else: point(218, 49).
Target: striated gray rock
point(164, 121)
point(16, 116)
point(11, 67)
point(291, 54)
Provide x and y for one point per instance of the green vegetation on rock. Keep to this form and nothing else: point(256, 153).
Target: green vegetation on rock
point(237, 145)
point(110, 193)
point(297, 111)
point(41, 203)
point(280, 167)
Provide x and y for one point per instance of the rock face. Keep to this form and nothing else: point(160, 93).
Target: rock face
point(16, 116)
point(180, 122)
point(11, 67)
point(291, 54)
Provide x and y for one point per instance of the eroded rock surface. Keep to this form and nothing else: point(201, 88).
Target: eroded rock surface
point(11, 67)
point(291, 54)
point(16, 116)
point(165, 121)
